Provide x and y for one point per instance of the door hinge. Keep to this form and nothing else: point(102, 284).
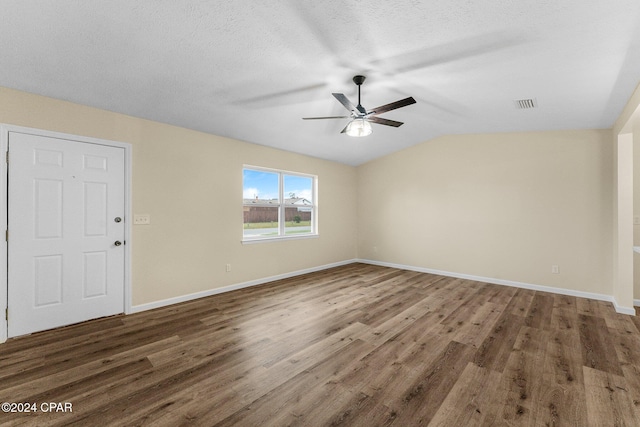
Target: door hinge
point(7, 157)
point(6, 314)
point(6, 235)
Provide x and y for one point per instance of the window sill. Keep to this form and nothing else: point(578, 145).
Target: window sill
point(277, 239)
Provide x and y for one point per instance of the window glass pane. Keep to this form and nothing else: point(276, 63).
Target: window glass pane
point(260, 221)
point(298, 221)
point(275, 202)
point(298, 200)
point(297, 190)
point(259, 186)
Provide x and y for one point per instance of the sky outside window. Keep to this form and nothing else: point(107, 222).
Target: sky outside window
point(259, 184)
point(300, 186)
point(264, 185)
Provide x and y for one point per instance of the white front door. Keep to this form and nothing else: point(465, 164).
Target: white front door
point(66, 205)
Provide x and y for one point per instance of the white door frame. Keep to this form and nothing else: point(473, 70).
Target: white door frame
point(4, 144)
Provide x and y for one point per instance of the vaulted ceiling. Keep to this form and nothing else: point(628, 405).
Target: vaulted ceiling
point(251, 70)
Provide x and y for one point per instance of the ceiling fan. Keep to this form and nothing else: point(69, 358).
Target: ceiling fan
point(360, 117)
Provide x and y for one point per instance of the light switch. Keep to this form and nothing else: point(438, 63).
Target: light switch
point(636, 219)
point(143, 219)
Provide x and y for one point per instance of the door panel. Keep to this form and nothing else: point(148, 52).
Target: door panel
point(47, 277)
point(48, 208)
point(95, 218)
point(95, 274)
point(63, 266)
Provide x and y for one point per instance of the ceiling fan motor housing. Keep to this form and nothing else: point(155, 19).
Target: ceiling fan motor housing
point(358, 80)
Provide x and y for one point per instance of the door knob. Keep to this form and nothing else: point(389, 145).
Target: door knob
point(117, 219)
point(117, 243)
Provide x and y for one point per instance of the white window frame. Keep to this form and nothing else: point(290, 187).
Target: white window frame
point(282, 206)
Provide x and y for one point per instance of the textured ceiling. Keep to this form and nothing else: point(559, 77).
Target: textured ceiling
point(251, 70)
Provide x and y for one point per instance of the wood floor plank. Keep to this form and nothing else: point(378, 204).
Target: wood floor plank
point(251, 380)
point(562, 399)
point(393, 365)
point(563, 318)
point(421, 399)
point(497, 346)
point(470, 398)
point(355, 345)
point(22, 385)
point(564, 301)
point(522, 376)
point(282, 400)
point(597, 345)
point(471, 327)
point(519, 304)
point(540, 309)
point(608, 399)
point(588, 307)
point(632, 378)
point(361, 411)
point(500, 295)
point(620, 322)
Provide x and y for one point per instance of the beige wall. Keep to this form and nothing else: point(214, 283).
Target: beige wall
point(627, 198)
point(634, 122)
point(503, 206)
point(191, 185)
point(636, 205)
point(629, 114)
point(623, 254)
point(636, 212)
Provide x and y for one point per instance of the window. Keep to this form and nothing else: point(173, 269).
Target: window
point(278, 204)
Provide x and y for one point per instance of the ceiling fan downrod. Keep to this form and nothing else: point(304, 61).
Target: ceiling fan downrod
point(358, 80)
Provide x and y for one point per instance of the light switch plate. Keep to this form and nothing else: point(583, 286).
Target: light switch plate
point(142, 219)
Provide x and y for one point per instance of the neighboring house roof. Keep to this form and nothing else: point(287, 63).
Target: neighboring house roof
point(298, 201)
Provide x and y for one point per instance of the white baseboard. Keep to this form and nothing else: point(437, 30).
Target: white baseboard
point(530, 286)
point(636, 302)
point(215, 291)
point(622, 309)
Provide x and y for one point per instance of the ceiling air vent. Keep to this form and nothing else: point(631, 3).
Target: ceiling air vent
point(525, 104)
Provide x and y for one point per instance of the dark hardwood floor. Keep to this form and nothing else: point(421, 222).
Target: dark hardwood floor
point(358, 345)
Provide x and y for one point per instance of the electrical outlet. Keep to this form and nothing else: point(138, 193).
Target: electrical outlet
point(555, 269)
point(228, 268)
point(142, 219)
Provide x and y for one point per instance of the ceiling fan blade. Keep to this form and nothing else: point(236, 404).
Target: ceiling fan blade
point(387, 122)
point(388, 107)
point(345, 128)
point(328, 117)
point(345, 101)
point(285, 97)
point(461, 49)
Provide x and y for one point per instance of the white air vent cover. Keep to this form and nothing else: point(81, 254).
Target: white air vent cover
point(525, 104)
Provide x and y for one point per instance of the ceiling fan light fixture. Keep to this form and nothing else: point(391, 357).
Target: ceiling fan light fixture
point(358, 128)
point(361, 117)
